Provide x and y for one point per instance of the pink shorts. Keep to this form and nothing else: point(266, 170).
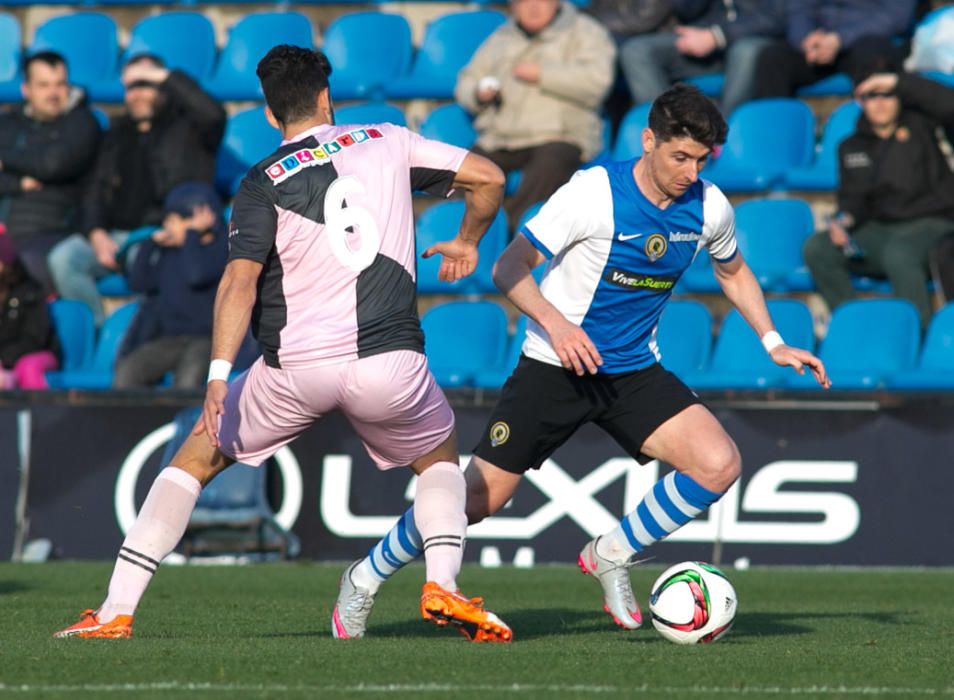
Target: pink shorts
point(391, 400)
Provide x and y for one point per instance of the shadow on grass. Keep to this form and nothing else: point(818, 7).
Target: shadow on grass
point(766, 624)
point(7, 587)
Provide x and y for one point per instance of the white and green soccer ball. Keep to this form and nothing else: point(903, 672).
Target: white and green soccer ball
point(692, 603)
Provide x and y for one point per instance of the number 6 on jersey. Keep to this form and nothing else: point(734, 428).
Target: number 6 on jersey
point(338, 218)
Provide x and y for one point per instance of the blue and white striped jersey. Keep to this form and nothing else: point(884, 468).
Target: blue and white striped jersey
point(614, 258)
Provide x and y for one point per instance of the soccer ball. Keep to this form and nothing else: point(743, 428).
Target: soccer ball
point(692, 603)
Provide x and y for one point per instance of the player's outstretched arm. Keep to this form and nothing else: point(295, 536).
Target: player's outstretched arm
point(512, 276)
point(743, 290)
point(233, 310)
point(483, 186)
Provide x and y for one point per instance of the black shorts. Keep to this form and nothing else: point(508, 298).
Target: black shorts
point(542, 405)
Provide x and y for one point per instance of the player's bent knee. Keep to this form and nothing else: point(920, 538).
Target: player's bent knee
point(721, 467)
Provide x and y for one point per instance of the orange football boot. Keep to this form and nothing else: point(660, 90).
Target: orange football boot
point(466, 614)
point(89, 626)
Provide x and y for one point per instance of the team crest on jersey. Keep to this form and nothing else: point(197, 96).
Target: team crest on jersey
point(294, 163)
point(656, 246)
point(499, 433)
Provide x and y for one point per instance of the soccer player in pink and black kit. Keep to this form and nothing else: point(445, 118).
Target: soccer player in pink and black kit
point(322, 262)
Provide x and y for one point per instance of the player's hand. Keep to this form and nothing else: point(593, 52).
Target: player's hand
point(574, 348)
point(798, 359)
point(460, 259)
point(208, 423)
point(879, 82)
point(695, 41)
point(104, 247)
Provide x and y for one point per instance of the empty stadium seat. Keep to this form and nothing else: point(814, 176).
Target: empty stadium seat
point(249, 40)
point(448, 45)
point(370, 113)
point(494, 377)
point(710, 84)
point(98, 372)
point(822, 174)
point(462, 338)
point(248, 138)
point(451, 124)
point(368, 51)
point(837, 84)
point(868, 341)
point(935, 368)
point(88, 43)
point(684, 336)
point(441, 222)
point(74, 326)
point(10, 58)
point(629, 136)
point(771, 233)
point(740, 362)
point(766, 138)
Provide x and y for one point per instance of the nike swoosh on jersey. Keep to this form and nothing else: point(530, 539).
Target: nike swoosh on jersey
point(624, 237)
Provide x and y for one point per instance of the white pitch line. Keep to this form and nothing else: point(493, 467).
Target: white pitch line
point(448, 687)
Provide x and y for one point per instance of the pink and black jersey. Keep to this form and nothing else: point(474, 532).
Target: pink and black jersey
point(329, 216)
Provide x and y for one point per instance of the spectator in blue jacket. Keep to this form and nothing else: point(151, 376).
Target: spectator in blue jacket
point(834, 36)
point(178, 271)
point(712, 36)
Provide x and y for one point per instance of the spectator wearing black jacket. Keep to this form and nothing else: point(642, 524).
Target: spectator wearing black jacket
point(178, 270)
point(712, 36)
point(169, 134)
point(48, 145)
point(27, 342)
point(896, 194)
point(825, 37)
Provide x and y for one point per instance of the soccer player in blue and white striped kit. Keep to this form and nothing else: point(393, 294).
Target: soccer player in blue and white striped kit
point(616, 238)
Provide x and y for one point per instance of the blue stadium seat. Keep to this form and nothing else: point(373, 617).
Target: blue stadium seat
point(183, 40)
point(494, 377)
point(766, 138)
point(740, 362)
point(368, 51)
point(629, 136)
point(837, 84)
point(935, 368)
point(74, 325)
point(370, 113)
point(10, 58)
point(938, 76)
point(462, 338)
point(441, 222)
point(868, 341)
point(822, 174)
point(249, 40)
point(771, 233)
point(710, 83)
point(448, 45)
point(98, 372)
point(88, 43)
point(232, 514)
point(451, 124)
point(684, 336)
point(248, 138)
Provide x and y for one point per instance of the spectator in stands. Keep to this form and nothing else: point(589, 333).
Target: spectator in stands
point(169, 134)
point(47, 147)
point(27, 341)
point(714, 36)
point(628, 18)
point(896, 197)
point(824, 38)
point(536, 85)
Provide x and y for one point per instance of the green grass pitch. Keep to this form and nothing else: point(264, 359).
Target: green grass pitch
point(263, 631)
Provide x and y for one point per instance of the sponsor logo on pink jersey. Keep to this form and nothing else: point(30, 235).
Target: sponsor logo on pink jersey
point(281, 170)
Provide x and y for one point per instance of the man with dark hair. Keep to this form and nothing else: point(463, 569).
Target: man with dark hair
point(322, 260)
point(616, 238)
point(169, 134)
point(47, 146)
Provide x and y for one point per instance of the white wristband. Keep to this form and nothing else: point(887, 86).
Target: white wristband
point(771, 340)
point(219, 369)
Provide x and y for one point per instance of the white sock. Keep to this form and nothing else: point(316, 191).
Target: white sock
point(442, 521)
point(158, 528)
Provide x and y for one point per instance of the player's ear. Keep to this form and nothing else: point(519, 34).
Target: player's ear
point(325, 108)
point(649, 140)
point(270, 116)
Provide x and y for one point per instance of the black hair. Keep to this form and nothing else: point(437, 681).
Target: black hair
point(50, 58)
point(144, 57)
point(292, 77)
point(683, 111)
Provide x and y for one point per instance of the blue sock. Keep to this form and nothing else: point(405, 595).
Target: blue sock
point(400, 546)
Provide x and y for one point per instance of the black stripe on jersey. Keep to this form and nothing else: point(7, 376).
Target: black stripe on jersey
point(387, 309)
point(432, 181)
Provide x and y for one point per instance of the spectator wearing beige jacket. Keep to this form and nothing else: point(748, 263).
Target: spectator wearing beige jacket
point(536, 85)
